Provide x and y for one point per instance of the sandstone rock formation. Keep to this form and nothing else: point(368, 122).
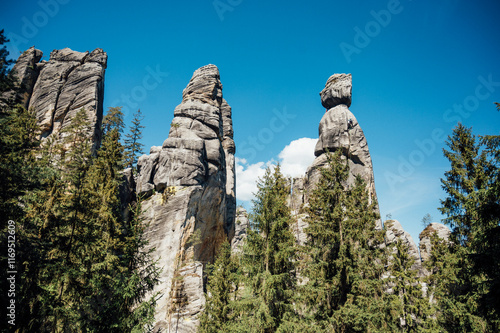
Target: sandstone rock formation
point(394, 232)
point(337, 91)
point(442, 231)
point(338, 129)
point(242, 224)
point(190, 207)
point(25, 71)
point(68, 82)
point(56, 90)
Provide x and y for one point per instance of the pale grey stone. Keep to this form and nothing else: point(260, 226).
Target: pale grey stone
point(65, 84)
point(67, 54)
point(191, 210)
point(227, 121)
point(338, 129)
point(442, 231)
point(146, 165)
point(26, 73)
point(205, 86)
point(155, 149)
point(242, 224)
point(181, 162)
point(338, 90)
point(204, 113)
point(394, 232)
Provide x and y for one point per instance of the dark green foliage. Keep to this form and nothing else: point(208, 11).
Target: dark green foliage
point(343, 258)
point(409, 310)
point(6, 80)
point(222, 282)
point(18, 171)
point(269, 254)
point(84, 267)
point(253, 292)
point(469, 285)
point(21, 173)
point(133, 147)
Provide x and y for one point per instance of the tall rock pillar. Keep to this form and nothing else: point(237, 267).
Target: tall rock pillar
point(338, 129)
point(190, 206)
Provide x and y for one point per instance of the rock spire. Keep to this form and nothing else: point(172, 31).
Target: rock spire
point(190, 208)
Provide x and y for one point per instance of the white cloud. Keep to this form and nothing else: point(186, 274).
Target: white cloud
point(246, 178)
point(297, 157)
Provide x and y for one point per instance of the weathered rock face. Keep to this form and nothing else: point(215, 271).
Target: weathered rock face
point(242, 224)
point(57, 89)
point(229, 151)
point(26, 71)
point(337, 91)
point(191, 206)
point(441, 231)
point(394, 232)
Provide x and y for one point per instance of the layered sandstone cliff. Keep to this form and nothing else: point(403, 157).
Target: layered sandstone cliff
point(57, 89)
point(189, 183)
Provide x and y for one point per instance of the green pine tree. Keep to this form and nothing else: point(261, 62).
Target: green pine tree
point(221, 285)
point(21, 174)
point(6, 81)
point(410, 310)
point(470, 301)
point(133, 146)
point(92, 271)
point(269, 254)
point(118, 271)
point(257, 296)
point(344, 261)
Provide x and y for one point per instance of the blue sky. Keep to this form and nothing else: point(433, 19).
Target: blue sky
point(418, 67)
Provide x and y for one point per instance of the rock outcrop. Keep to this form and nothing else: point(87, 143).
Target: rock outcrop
point(56, 90)
point(337, 91)
point(394, 232)
point(242, 224)
point(25, 71)
point(190, 207)
point(338, 129)
point(442, 231)
point(68, 82)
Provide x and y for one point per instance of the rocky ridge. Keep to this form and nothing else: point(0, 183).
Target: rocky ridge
point(57, 89)
point(189, 183)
